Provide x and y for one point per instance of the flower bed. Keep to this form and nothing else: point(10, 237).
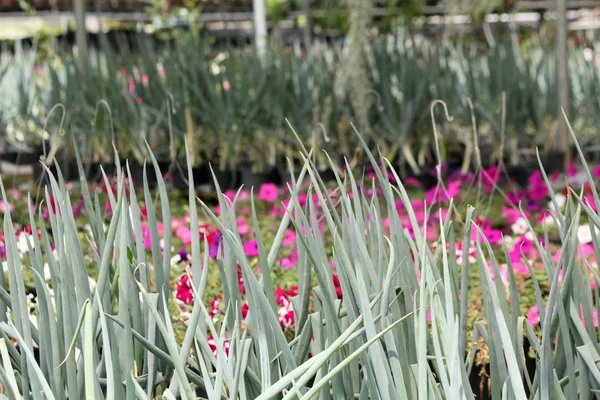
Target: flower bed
point(224, 252)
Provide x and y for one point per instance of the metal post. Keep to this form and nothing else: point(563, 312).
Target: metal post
point(260, 27)
point(307, 27)
point(80, 32)
point(563, 77)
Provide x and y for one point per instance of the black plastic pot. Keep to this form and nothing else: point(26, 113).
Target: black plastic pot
point(178, 176)
point(70, 171)
point(20, 158)
point(14, 155)
point(137, 172)
point(227, 179)
point(255, 179)
point(551, 161)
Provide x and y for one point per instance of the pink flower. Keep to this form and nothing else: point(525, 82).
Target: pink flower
point(472, 253)
point(226, 86)
point(289, 238)
point(184, 234)
point(503, 270)
point(6, 206)
point(268, 192)
point(594, 316)
point(15, 194)
point(533, 316)
point(251, 248)
point(230, 194)
point(131, 85)
point(274, 212)
point(596, 172)
point(242, 226)
point(290, 261)
point(145, 80)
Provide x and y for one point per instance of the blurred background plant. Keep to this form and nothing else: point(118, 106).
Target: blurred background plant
point(235, 107)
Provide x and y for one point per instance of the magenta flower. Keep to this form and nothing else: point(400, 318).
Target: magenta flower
point(147, 238)
point(289, 238)
point(493, 236)
point(515, 196)
point(511, 215)
point(268, 192)
point(412, 182)
point(533, 316)
point(538, 192)
point(78, 208)
point(571, 170)
point(491, 176)
point(251, 248)
point(536, 179)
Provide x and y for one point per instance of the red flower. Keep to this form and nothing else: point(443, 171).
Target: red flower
point(212, 343)
point(338, 287)
point(286, 311)
point(184, 290)
point(214, 307)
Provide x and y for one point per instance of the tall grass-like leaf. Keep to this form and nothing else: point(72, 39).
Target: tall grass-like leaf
point(37, 372)
point(508, 347)
point(8, 372)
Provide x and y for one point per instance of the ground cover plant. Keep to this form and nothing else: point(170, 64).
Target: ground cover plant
point(371, 287)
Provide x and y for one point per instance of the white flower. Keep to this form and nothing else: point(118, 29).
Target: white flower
point(587, 54)
point(509, 242)
point(22, 242)
point(92, 284)
point(584, 234)
point(561, 200)
point(47, 275)
point(520, 227)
